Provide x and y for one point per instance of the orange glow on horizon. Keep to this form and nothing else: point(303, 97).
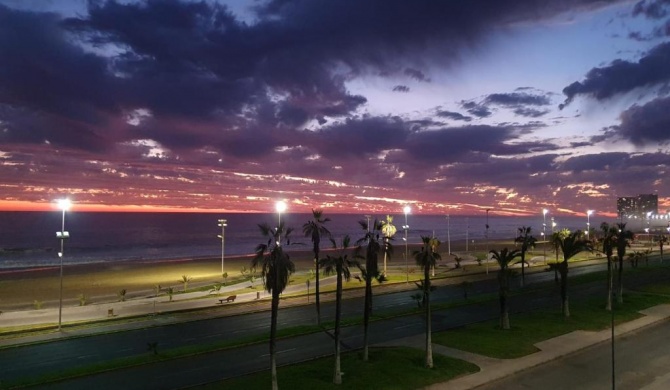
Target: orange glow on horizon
point(14, 205)
point(84, 207)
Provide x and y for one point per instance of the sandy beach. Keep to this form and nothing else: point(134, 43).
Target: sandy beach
point(20, 288)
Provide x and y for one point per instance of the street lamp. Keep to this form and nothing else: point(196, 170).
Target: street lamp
point(487, 241)
point(544, 232)
point(222, 236)
point(406, 210)
point(280, 207)
point(588, 221)
point(368, 218)
point(63, 204)
point(553, 225)
point(467, 228)
point(449, 236)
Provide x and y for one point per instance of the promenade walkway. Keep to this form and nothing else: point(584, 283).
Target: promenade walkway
point(181, 309)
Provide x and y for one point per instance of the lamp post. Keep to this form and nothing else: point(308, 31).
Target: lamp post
point(466, 234)
point(406, 210)
point(588, 221)
point(222, 236)
point(280, 207)
point(544, 233)
point(63, 204)
point(487, 241)
point(553, 225)
point(368, 219)
point(448, 237)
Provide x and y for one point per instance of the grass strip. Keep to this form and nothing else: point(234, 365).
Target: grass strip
point(486, 338)
point(382, 371)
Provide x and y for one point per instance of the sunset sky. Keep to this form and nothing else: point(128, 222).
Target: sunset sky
point(358, 106)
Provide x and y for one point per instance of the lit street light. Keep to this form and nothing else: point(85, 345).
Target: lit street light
point(588, 221)
point(222, 236)
point(449, 236)
point(280, 207)
point(487, 241)
point(63, 204)
point(406, 210)
point(544, 232)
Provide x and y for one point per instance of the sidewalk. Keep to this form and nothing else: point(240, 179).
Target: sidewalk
point(495, 369)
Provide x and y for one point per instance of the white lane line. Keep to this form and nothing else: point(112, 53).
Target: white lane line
point(278, 352)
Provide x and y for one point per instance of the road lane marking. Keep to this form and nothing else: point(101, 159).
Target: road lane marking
point(278, 352)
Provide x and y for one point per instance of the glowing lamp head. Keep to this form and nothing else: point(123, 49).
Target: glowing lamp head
point(544, 211)
point(64, 204)
point(406, 209)
point(280, 206)
point(589, 212)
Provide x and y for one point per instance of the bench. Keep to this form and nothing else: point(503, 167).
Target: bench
point(229, 299)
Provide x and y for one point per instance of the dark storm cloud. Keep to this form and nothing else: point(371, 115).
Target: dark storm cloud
point(478, 110)
point(417, 75)
point(647, 124)
point(597, 162)
point(516, 99)
point(652, 9)
point(195, 64)
point(530, 112)
point(466, 143)
point(401, 88)
point(41, 97)
point(623, 76)
point(457, 116)
point(360, 138)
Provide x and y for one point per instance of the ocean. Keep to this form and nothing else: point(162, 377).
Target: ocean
point(28, 239)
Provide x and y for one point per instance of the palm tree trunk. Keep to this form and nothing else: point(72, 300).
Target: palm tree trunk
point(385, 243)
point(366, 315)
point(429, 347)
point(337, 379)
point(273, 335)
point(610, 278)
point(504, 313)
point(523, 264)
point(316, 291)
point(564, 289)
point(620, 286)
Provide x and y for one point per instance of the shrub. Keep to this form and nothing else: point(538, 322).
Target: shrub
point(122, 295)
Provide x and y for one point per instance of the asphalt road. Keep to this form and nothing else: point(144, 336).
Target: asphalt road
point(26, 361)
point(641, 363)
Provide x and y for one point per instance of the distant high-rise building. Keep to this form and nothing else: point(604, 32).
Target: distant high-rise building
point(648, 203)
point(637, 206)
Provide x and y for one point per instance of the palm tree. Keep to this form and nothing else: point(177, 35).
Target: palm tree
point(374, 244)
point(623, 239)
point(389, 230)
point(570, 246)
point(426, 258)
point(276, 268)
point(556, 239)
point(662, 240)
point(315, 229)
point(505, 259)
point(340, 265)
point(527, 241)
point(609, 243)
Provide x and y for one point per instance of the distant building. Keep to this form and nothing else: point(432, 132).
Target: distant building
point(637, 206)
